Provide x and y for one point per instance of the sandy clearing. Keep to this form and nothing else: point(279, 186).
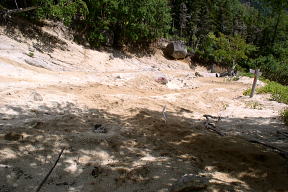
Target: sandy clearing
point(44, 110)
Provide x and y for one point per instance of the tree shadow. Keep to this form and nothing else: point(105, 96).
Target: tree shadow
point(139, 152)
point(45, 42)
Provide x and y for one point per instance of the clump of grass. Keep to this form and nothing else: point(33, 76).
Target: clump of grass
point(284, 115)
point(30, 54)
point(225, 106)
point(254, 105)
point(235, 78)
point(246, 74)
point(247, 92)
point(279, 92)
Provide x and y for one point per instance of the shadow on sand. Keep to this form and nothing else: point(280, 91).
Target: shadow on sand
point(138, 153)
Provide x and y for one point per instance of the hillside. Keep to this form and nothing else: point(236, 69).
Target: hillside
point(55, 94)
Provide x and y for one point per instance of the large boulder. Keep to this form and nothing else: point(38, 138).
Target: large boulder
point(176, 50)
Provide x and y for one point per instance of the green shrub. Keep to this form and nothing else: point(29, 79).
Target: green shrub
point(65, 10)
point(246, 74)
point(279, 92)
point(129, 22)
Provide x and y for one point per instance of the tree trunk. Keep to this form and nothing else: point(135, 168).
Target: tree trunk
point(16, 4)
point(276, 28)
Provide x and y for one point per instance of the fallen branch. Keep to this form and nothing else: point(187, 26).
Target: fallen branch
point(212, 127)
point(48, 174)
point(276, 149)
point(212, 117)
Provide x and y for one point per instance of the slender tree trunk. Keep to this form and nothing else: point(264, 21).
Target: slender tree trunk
point(276, 28)
point(16, 4)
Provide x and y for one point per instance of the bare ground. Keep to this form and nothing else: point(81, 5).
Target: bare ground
point(57, 105)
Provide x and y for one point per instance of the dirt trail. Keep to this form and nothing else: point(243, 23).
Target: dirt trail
point(44, 110)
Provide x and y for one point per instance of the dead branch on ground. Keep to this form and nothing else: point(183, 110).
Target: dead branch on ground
point(50, 171)
point(212, 127)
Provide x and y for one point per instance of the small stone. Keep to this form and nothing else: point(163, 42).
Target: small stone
point(36, 96)
point(162, 80)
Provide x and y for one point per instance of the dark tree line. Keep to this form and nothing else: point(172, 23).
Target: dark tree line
point(256, 30)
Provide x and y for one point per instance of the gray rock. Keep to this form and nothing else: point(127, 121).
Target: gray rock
point(176, 50)
point(162, 80)
point(190, 182)
point(36, 96)
point(36, 62)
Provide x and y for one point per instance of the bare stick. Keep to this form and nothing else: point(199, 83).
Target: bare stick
point(276, 149)
point(164, 114)
point(48, 174)
point(254, 83)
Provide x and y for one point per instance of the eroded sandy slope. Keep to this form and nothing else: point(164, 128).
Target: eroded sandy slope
point(55, 105)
